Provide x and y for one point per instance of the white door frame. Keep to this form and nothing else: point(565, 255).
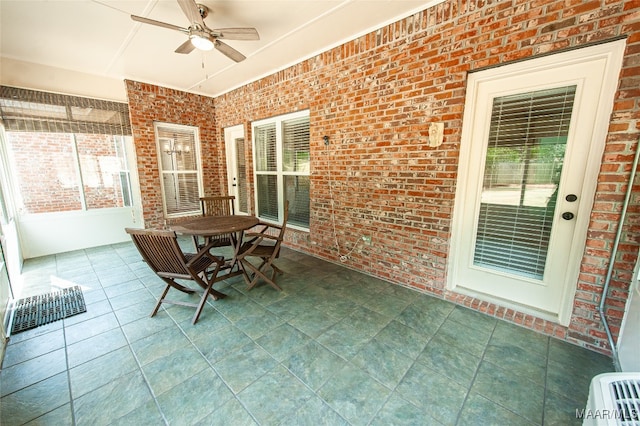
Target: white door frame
point(230, 135)
point(611, 54)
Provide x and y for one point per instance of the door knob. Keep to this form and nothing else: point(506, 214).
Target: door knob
point(571, 198)
point(567, 215)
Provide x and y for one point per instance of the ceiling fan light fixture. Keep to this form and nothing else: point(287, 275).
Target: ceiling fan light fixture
point(202, 42)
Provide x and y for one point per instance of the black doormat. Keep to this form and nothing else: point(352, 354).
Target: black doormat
point(35, 311)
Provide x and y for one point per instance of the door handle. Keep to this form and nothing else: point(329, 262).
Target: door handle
point(567, 215)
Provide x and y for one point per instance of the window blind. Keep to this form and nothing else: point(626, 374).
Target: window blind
point(524, 158)
point(24, 110)
point(295, 145)
point(242, 176)
point(282, 167)
point(295, 160)
point(179, 169)
point(265, 146)
point(297, 193)
point(267, 192)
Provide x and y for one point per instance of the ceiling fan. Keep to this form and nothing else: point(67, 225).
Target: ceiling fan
point(202, 37)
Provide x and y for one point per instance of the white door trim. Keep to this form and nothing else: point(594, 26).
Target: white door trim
point(230, 136)
point(612, 54)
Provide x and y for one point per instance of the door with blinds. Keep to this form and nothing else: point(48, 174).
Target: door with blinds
point(235, 148)
point(532, 143)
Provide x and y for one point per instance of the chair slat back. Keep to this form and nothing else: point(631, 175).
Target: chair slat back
point(218, 206)
point(160, 249)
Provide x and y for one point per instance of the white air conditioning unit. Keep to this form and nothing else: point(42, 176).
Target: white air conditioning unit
point(614, 400)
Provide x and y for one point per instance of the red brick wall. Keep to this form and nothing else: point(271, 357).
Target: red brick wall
point(148, 103)
point(375, 98)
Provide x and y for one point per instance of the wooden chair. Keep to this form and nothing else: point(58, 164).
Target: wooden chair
point(161, 251)
point(267, 253)
point(216, 206)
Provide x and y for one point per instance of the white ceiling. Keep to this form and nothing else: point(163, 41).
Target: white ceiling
point(97, 40)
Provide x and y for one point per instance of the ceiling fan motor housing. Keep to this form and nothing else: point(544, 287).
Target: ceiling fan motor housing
point(203, 10)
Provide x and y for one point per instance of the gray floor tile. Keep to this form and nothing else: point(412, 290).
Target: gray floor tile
point(463, 337)
point(36, 400)
point(435, 393)
point(560, 411)
point(383, 363)
point(32, 348)
point(526, 364)
point(314, 412)
point(229, 413)
point(112, 401)
point(459, 366)
point(397, 411)
point(511, 334)
point(91, 327)
point(354, 395)
point(246, 365)
point(32, 371)
point(174, 368)
point(402, 338)
point(158, 345)
point(195, 399)
point(222, 343)
point(59, 416)
point(313, 322)
point(147, 326)
point(473, 319)
point(420, 320)
point(102, 370)
point(480, 410)
point(334, 347)
point(147, 414)
point(275, 393)
point(521, 396)
point(94, 347)
point(258, 322)
point(283, 341)
point(314, 365)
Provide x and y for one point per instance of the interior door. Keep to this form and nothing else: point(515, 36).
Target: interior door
point(236, 167)
point(531, 147)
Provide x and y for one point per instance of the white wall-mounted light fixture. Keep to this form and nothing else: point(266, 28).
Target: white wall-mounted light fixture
point(436, 134)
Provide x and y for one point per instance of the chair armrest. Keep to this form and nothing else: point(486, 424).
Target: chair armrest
point(252, 236)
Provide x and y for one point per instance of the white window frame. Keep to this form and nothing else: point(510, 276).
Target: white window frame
point(159, 147)
point(279, 173)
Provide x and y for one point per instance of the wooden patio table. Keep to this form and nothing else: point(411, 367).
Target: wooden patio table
point(209, 226)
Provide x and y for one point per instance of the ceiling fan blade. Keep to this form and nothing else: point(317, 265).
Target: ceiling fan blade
point(190, 9)
point(229, 51)
point(238, 33)
point(186, 47)
point(159, 24)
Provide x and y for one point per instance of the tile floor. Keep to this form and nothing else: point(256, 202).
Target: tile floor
point(336, 347)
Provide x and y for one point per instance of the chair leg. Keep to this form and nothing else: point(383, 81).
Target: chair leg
point(162, 296)
point(208, 291)
point(257, 274)
point(170, 284)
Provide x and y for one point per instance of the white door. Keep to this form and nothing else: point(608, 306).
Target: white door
point(236, 167)
point(532, 142)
